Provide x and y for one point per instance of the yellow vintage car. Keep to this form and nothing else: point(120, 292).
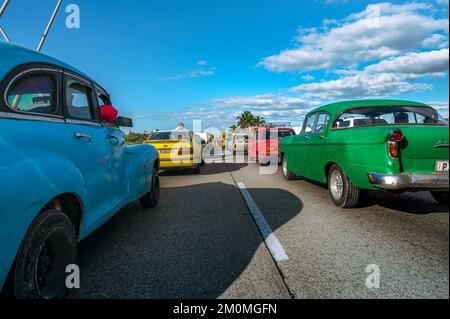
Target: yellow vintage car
point(178, 149)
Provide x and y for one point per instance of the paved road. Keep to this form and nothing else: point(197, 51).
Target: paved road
point(202, 242)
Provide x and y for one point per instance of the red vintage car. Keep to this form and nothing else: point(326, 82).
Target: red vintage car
point(264, 140)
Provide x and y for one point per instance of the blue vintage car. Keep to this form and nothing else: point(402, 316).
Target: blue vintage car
point(64, 171)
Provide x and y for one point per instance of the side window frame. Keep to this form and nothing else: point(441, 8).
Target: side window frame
point(325, 125)
point(98, 91)
point(69, 79)
point(24, 70)
point(306, 123)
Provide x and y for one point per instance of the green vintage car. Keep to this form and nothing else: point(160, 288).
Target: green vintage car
point(371, 145)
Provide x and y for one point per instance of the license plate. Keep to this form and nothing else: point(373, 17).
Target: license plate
point(442, 166)
point(164, 151)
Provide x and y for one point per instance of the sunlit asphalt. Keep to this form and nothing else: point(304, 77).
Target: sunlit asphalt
point(202, 242)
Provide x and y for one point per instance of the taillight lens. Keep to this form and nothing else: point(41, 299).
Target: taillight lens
point(393, 150)
point(396, 136)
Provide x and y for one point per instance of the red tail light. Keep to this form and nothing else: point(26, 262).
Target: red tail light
point(396, 136)
point(393, 150)
point(180, 152)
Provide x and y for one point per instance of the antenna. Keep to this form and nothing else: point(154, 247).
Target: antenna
point(49, 25)
point(2, 10)
point(47, 29)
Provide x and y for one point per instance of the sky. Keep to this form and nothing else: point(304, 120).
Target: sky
point(177, 60)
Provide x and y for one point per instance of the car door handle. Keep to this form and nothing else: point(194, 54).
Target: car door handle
point(81, 136)
point(307, 137)
point(115, 139)
point(322, 137)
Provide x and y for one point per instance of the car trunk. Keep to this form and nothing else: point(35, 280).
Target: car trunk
point(426, 142)
point(425, 147)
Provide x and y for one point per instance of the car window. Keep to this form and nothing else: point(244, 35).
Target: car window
point(170, 136)
point(370, 116)
point(310, 124)
point(79, 104)
point(34, 93)
point(322, 122)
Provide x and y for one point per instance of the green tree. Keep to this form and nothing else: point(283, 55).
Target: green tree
point(245, 120)
point(258, 120)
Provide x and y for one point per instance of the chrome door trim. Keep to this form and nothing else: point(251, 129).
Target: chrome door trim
point(81, 122)
point(31, 117)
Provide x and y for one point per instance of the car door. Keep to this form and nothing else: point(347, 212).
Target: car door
point(300, 147)
point(117, 146)
point(315, 150)
point(93, 149)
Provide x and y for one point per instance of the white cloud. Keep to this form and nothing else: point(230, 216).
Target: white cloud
point(202, 71)
point(361, 85)
point(308, 78)
point(380, 31)
point(264, 102)
point(414, 63)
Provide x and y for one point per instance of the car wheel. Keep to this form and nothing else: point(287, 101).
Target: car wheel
point(50, 245)
point(287, 174)
point(151, 199)
point(343, 193)
point(441, 197)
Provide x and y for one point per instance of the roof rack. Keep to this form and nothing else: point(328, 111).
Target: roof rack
point(276, 125)
point(47, 29)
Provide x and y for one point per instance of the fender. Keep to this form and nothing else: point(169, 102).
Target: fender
point(140, 163)
point(38, 175)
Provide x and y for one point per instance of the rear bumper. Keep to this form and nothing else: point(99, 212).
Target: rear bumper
point(436, 181)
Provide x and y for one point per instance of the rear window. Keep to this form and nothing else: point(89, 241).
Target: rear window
point(281, 133)
point(170, 136)
point(401, 115)
point(34, 93)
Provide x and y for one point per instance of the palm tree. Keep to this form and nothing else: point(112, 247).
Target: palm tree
point(233, 127)
point(245, 120)
point(258, 120)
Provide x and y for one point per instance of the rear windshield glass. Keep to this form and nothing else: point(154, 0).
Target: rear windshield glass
point(171, 136)
point(281, 133)
point(371, 116)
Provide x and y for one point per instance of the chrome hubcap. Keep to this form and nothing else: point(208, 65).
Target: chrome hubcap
point(285, 166)
point(336, 185)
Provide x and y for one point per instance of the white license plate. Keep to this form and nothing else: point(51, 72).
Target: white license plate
point(164, 151)
point(442, 166)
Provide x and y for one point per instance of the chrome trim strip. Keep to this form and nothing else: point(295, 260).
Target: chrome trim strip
point(21, 74)
point(410, 181)
point(82, 122)
point(30, 117)
point(78, 78)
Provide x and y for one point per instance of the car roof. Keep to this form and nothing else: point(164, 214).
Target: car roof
point(13, 56)
point(336, 108)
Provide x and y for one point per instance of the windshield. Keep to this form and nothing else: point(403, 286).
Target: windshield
point(241, 138)
point(172, 136)
point(370, 116)
point(281, 133)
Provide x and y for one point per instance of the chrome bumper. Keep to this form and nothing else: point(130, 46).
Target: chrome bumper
point(437, 181)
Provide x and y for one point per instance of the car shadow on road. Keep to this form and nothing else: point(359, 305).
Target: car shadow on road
point(208, 169)
point(195, 244)
point(419, 203)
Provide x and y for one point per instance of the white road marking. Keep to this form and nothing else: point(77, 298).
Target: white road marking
point(272, 242)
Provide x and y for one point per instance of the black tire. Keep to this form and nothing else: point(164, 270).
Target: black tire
point(39, 271)
point(198, 169)
point(349, 193)
point(441, 197)
point(151, 199)
point(287, 174)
